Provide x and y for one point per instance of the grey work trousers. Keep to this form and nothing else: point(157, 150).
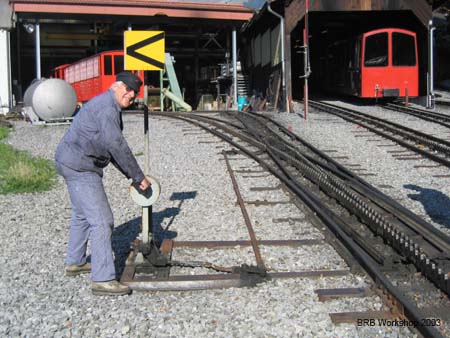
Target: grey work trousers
point(91, 219)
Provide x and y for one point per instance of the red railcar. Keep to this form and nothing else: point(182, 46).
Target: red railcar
point(93, 75)
point(58, 72)
point(376, 64)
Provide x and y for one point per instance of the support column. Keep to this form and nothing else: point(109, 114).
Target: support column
point(196, 66)
point(234, 53)
point(37, 43)
point(288, 72)
point(5, 71)
point(285, 105)
point(430, 74)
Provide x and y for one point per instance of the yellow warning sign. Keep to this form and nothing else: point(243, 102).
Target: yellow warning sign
point(144, 50)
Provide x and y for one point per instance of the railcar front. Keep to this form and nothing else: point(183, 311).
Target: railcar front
point(389, 66)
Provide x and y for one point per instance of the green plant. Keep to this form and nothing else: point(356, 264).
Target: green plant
point(4, 131)
point(20, 172)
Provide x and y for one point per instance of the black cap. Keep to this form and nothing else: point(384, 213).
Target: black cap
point(130, 79)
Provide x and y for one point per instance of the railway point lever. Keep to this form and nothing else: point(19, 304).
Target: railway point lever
point(147, 198)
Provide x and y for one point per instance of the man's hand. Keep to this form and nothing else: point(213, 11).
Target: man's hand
point(145, 184)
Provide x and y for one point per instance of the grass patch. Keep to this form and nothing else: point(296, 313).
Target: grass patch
point(20, 172)
point(4, 131)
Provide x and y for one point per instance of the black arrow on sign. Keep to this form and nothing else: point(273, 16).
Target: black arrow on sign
point(131, 50)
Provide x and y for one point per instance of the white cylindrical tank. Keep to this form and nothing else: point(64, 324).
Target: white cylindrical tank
point(51, 99)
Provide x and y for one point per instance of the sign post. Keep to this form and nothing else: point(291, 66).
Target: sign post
point(144, 50)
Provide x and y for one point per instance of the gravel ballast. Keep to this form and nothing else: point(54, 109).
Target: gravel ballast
point(197, 203)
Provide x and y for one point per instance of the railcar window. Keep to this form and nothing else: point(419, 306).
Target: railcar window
point(118, 64)
point(107, 62)
point(403, 50)
point(376, 50)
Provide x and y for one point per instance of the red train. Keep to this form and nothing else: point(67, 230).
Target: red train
point(376, 64)
point(93, 75)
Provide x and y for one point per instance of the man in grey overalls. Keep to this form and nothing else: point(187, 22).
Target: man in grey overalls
point(93, 140)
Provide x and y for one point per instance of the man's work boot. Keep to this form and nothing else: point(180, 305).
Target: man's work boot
point(111, 288)
point(75, 270)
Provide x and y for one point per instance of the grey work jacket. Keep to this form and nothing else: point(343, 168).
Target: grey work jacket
point(95, 138)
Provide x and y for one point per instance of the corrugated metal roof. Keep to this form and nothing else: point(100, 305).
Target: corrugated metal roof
point(224, 4)
point(206, 9)
point(254, 4)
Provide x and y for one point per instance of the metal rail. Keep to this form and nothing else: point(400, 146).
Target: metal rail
point(442, 102)
point(143, 276)
point(376, 125)
point(418, 241)
point(360, 185)
point(333, 222)
point(442, 119)
point(248, 223)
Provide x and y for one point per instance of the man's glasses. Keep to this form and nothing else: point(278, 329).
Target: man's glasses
point(128, 89)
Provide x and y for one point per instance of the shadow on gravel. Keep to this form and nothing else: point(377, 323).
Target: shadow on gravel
point(160, 233)
point(435, 203)
point(122, 237)
point(126, 233)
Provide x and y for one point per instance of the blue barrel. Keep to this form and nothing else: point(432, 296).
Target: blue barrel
point(242, 102)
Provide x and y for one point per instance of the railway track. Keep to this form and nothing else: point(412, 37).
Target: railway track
point(386, 239)
point(427, 115)
point(442, 102)
point(433, 148)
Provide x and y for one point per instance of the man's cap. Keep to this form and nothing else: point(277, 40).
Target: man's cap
point(130, 79)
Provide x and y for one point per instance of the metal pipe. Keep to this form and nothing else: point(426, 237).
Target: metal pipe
point(234, 53)
point(19, 62)
point(430, 87)
point(37, 39)
point(146, 211)
point(96, 40)
point(176, 99)
point(306, 59)
point(283, 66)
point(8, 62)
point(146, 143)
